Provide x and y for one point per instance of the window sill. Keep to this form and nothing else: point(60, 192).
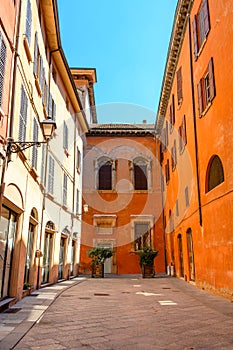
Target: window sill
point(140, 191)
point(106, 191)
point(206, 109)
point(27, 49)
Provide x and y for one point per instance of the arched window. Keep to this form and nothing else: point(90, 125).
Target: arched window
point(215, 173)
point(140, 168)
point(105, 176)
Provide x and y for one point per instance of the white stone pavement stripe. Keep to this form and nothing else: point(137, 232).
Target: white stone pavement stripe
point(167, 302)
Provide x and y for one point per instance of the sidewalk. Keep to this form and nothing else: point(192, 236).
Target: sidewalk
point(16, 321)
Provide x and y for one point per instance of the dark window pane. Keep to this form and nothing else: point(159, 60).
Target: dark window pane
point(105, 177)
point(140, 179)
point(216, 174)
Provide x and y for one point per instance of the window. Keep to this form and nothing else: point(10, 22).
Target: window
point(34, 148)
point(51, 175)
point(140, 177)
point(65, 135)
point(182, 135)
point(105, 176)
point(164, 138)
point(28, 22)
point(36, 64)
point(142, 235)
point(179, 86)
point(174, 156)
point(64, 189)
point(78, 160)
point(172, 114)
point(167, 171)
point(42, 173)
point(177, 207)
point(201, 27)
point(215, 173)
point(2, 65)
point(161, 153)
point(23, 115)
point(186, 190)
point(206, 88)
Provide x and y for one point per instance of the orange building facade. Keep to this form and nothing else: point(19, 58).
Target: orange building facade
point(121, 186)
point(194, 123)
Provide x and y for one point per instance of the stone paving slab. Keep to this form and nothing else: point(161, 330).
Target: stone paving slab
point(126, 313)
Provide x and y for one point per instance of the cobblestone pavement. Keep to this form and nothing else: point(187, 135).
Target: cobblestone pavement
point(129, 313)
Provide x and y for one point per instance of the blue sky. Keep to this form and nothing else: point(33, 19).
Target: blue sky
point(126, 41)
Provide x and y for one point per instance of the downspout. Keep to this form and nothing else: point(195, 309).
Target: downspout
point(194, 124)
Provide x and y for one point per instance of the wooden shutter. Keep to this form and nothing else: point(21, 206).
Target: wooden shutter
point(50, 106)
point(166, 135)
point(65, 136)
point(35, 64)
point(23, 115)
point(173, 110)
point(34, 148)
point(206, 17)
point(184, 135)
point(180, 138)
point(43, 163)
point(105, 176)
point(211, 78)
point(42, 75)
point(179, 85)
point(54, 111)
point(161, 152)
point(2, 65)
point(51, 175)
point(28, 22)
point(77, 201)
point(65, 189)
point(200, 97)
point(140, 177)
point(195, 37)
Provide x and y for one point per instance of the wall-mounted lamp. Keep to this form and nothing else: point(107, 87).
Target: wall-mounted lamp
point(48, 126)
point(85, 209)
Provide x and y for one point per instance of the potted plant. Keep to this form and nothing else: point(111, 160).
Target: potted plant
point(146, 256)
point(98, 255)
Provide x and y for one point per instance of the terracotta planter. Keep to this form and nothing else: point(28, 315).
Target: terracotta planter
point(148, 271)
point(97, 271)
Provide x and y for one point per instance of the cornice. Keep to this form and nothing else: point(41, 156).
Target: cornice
point(183, 9)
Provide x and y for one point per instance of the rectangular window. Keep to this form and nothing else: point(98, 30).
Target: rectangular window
point(201, 27)
point(78, 160)
point(2, 65)
point(167, 171)
point(179, 86)
point(177, 207)
point(206, 88)
point(161, 153)
point(182, 135)
point(36, 63)
point(28, 22)
point(65, 189)
point(65, 136)
point(142, 235)
point(23, 115)
point(51, 175)
point(172, 113)
point(34, 148)
point(140, 177)
point(186, 196)
point(174, 156)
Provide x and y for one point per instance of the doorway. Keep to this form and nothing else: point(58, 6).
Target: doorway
point(180, 252)
point(108, 262)
point(190, 255)
point(47, 256)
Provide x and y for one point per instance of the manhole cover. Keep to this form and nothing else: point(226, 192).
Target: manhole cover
point(12, 310)
point(101, 294)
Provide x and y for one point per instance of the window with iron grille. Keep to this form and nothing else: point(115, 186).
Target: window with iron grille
point(23, 115)
point(65, 135)
point(2, 65)
point(28, 22)
point(51, 167)
point(105, 176)
point(206, 88)
point(142, 235)
point(215, 173)
point(64, 189)
point(201, 27)
point(35, 148)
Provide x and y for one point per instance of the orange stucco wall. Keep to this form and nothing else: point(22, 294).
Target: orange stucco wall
point(123, 203)
point(212, 240)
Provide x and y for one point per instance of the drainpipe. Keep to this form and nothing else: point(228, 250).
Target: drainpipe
point(194, 124)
